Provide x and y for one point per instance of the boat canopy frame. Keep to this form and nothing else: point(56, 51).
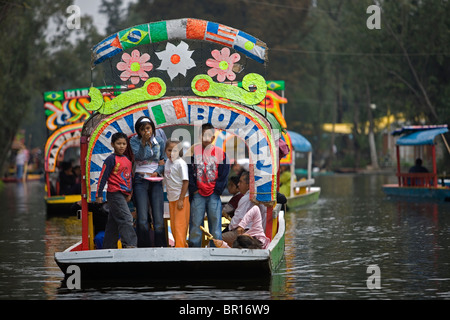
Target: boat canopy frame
point(418, 136)
point(59, 141)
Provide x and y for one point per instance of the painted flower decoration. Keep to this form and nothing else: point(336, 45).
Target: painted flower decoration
point(176, 59)
point(222, 64)
point(134, 66)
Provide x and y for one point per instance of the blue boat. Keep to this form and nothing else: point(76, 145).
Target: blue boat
point(419, 184)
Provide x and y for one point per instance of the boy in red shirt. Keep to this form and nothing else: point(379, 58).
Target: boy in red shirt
point(117, 172)
point(208, 176)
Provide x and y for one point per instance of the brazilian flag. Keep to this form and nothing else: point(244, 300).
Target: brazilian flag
point(134, 36)
point(275, 85)
point(271, 85)
point(53, 96)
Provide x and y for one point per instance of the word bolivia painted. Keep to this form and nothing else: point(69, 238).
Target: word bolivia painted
point(248, 124)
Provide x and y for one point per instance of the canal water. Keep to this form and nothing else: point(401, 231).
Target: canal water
point(335, 249)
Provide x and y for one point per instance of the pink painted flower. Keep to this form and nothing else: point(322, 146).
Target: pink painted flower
point(134, 67)
point(222, 64)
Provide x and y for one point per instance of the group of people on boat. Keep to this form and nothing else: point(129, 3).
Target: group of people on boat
point(69, 179)
point(135, 173)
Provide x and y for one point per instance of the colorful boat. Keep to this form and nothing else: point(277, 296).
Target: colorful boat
point(423, 185)
point(57, 144)
point(227, 107)
point(29, 177)
point(303, 192)
point(65, 114)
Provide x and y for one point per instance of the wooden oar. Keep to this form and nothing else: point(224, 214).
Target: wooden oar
point(208, 235)
point(218, 243)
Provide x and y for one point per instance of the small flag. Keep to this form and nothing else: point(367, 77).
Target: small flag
point(158, 113)
point(53, 96)
point(158, 31)
point(250, 46)
point(106, 49)
point(134, 36)
point(176, 29)
point(220, 34)
point(275, 85)
point(195, 29)
point(179, 108)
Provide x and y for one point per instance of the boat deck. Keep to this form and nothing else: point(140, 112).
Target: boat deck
point(432, 193)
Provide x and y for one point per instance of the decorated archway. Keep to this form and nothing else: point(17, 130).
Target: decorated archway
point(62, 139)
point(250, 125)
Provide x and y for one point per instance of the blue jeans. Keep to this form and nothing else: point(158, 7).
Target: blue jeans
point(19, 171)
point(147, 195)
point(213, 207)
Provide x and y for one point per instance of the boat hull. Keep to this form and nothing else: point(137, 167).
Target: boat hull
point(437, 194)
point(61, 205)
point(30, 177)
point(301, 200)
point(175, 263)
point(158, 263)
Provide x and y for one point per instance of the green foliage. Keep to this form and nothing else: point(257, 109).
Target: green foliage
point(22, 28)
point(333, 65)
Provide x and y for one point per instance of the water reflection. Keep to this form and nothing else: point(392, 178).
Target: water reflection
point(353, 226)
point(329, 246)
point(60, 233)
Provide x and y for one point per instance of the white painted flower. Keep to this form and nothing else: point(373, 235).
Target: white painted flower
point(176, 59)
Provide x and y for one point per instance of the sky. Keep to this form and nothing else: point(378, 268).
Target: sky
point(88, 7)
point(91, 7)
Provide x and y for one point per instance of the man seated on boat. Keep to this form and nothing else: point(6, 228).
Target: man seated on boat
point(253, 237)
point(244, 205)
point(417, 168)
point(66, 179)
point(285, 180)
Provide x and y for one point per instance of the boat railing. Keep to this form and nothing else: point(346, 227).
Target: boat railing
point(417, 179)
point(304, 183)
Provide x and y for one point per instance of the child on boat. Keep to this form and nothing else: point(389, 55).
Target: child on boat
point(117, 170)
point(148, 150)
point(243, 206)
point(230, 207)
point(285, 181)
point(257, 238)
point(208, 177)
point(176, 177)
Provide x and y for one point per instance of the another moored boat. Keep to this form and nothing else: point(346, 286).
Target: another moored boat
point(423, 185)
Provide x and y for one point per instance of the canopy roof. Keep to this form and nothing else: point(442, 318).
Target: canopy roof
point(419, 135)
point(299, 142)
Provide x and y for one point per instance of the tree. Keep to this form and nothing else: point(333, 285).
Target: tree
point(22, 27)
point(115, 14)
